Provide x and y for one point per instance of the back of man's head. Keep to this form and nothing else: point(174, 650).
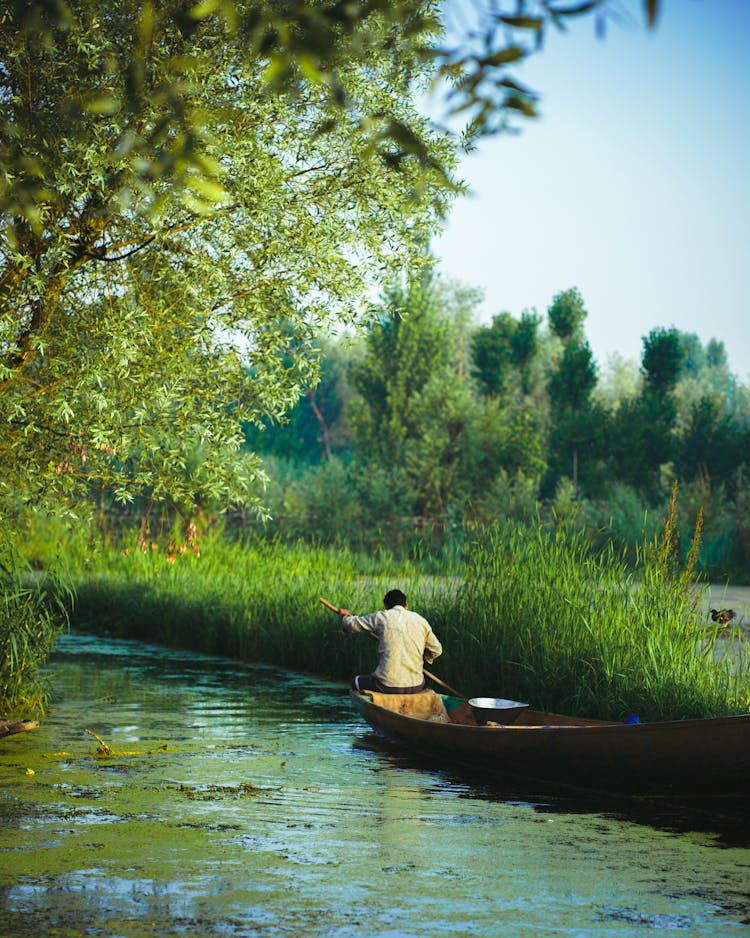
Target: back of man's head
point(394, 598)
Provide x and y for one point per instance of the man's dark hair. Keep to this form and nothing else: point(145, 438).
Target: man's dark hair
point(394, 598)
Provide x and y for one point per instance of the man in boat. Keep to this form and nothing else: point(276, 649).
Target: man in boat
point(406, 643)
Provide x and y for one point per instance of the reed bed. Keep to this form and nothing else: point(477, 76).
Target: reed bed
point(32, 611)
point(533, 614)
point(539, 617)
point(253, 600)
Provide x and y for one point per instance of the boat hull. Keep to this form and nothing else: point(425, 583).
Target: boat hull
point(683, 757)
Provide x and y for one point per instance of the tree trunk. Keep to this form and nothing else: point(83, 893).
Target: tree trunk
point(324, 435)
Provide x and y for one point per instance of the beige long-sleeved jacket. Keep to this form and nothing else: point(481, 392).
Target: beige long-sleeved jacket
point(405, 641)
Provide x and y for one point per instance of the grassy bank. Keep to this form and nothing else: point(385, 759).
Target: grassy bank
point(532, 614)
point(542, 618)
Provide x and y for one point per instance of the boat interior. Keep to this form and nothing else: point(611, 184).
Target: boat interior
point(439, 708)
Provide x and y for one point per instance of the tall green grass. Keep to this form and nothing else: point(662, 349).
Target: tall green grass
point(539, 617)
point(254, 599)
point(32, 612)
point(532, 613)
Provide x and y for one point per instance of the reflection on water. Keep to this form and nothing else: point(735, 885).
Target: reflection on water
point(248, 801)
point(726, 821)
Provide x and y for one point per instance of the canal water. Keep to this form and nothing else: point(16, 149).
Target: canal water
point(242, 800)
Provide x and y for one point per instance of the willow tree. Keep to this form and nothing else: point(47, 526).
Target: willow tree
point(175, 231)
point(156, 293)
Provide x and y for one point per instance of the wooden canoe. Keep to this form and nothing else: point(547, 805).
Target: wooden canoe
point(676, 758)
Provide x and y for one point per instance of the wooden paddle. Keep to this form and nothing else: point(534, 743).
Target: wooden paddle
point(330, 606)
point(451, 690)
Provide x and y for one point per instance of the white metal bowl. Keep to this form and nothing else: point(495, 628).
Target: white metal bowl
point(496, 709)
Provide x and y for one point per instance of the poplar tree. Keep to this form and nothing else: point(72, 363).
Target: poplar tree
point(576, 420)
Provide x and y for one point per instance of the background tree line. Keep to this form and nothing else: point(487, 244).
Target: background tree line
point(425, 422)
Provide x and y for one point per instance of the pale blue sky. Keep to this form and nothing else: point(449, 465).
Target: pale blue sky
point(633, 186)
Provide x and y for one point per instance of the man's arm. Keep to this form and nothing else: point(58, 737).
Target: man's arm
point(432, 647)
point(345, 614)
point(370, 623)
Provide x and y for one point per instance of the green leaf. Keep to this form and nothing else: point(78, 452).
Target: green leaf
point(204, 9)
point(147, 23)
point(578, 9)
point(211, 190)
point(104, 104)
point(504, 56)
point(310, 69)
point(522, 104)
point(277, 70)
point(535, 23)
